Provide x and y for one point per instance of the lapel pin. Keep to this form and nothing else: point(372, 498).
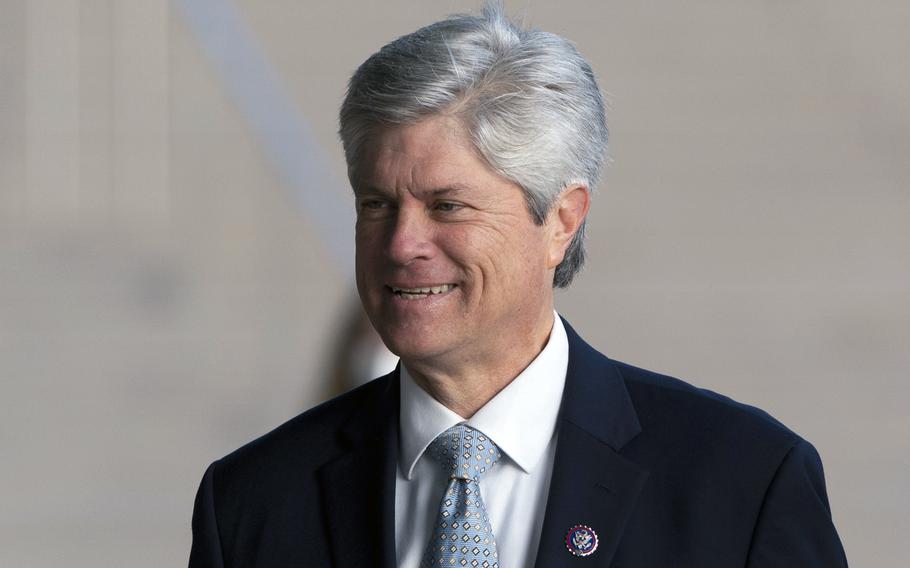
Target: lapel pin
point(581, 540)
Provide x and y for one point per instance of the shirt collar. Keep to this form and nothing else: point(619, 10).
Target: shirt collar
point(520, 419)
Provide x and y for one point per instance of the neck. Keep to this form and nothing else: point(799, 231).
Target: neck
point(465, 386)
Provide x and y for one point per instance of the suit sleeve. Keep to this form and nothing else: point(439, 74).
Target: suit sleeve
point(794, 526)
point(206, 549)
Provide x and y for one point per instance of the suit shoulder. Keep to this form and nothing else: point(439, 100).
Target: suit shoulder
point(662, 399)
point(311, 437)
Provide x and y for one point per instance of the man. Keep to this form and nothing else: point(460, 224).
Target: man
point(502, 439)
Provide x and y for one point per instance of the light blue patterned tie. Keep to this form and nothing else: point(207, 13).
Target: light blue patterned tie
point(462, 534)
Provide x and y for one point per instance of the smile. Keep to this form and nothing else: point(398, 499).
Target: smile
point(423, 292)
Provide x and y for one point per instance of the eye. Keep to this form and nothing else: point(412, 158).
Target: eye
point(371, 205)
point(447, 206)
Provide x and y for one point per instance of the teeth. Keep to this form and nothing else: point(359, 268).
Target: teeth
point(422, 292)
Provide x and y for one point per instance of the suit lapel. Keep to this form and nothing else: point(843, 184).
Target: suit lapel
point(592, 484)
point(358, 486)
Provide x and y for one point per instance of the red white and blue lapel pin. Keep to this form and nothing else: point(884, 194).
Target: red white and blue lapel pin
point(581, 540)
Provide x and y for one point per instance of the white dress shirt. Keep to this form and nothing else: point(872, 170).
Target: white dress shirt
point(521, 420)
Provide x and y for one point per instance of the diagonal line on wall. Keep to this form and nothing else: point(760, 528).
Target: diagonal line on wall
point(277, 124)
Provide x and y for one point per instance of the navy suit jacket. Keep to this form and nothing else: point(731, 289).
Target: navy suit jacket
point(667, 475)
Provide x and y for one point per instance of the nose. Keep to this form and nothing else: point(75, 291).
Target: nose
point(411, 236)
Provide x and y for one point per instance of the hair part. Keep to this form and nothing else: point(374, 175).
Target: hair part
point(527, 99)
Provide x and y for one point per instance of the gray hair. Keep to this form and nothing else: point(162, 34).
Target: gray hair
point(527, 98)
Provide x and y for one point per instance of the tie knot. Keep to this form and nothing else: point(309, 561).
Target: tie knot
point(464, 452)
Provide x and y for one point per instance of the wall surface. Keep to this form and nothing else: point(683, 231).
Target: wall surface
point(175, 237)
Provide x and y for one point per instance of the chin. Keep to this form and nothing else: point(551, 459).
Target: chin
point(412, 347)
point(408, 350)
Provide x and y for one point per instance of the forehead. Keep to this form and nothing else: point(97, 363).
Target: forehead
point(433, 151)
point(431, 134)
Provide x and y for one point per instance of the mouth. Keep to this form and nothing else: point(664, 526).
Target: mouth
point(422, 292)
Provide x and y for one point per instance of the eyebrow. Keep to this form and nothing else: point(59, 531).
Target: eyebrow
point(439, 192)
point(450, 190)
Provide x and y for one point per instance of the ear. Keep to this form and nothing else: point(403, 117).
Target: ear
point(564, 219)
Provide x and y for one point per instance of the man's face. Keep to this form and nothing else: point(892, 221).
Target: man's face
point(450, 265)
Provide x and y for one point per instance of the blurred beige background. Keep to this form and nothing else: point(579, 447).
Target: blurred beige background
point(175, 238)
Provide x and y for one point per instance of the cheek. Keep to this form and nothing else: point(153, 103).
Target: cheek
point(478, 250)
point(528, 261)
point(511, 258)
point(367, 244)
point(366, 258)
